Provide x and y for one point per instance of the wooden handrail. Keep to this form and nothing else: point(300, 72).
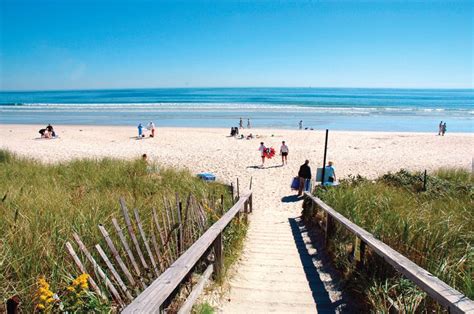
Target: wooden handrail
point(449, 297)
point(152, 298)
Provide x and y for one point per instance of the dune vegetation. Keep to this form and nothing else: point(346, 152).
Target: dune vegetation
point(432, 227)
point(41, 205)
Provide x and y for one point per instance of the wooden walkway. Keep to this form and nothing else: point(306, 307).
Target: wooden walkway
point(280, 270)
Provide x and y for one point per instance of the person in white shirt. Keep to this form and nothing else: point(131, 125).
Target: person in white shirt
point(284, 153)
point(151, 128)
point(261, 149)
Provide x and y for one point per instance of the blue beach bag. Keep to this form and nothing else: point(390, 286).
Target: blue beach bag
point(295, 184)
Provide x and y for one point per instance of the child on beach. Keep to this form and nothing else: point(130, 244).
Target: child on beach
point(440, 128)
point(443, 129)
point(248, 123)
point(261, 149)
point(140, 131)
point(284, 153)
point(241, 124)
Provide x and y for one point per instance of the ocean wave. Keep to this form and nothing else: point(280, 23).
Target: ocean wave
point(225, 107)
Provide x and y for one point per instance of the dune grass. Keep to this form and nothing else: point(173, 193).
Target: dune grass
point(41, 205)
point(433, 228)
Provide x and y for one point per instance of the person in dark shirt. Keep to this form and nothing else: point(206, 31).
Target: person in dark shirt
point(304, 174)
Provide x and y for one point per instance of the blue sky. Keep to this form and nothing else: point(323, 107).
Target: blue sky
point(68, 44)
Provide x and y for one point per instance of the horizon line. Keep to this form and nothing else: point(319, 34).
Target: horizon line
point(227, 87)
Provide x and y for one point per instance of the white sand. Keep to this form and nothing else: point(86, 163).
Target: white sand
point(270, 276)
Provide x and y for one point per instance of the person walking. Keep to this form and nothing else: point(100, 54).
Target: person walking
point(301, 124)
point(284, 153)
point(241, 124)
point(262, 149)
point(443, 129)
point(248, 123)
point(440, 128)
point(140, 131)
point(304, 174)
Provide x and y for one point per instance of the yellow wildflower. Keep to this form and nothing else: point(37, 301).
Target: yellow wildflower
point(45, 295)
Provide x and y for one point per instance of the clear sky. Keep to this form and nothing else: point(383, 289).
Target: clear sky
point(80, 44)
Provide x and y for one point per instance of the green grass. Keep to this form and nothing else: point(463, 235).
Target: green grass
point(41, 205)
point(433, 228)
point(203, 308)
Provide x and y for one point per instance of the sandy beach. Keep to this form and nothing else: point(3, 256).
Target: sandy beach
point(366, 153)
point(273, 221)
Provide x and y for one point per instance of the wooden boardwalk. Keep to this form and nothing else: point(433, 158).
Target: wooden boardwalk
point(280, 270)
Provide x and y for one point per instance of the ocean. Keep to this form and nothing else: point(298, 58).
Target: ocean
point(403, 110)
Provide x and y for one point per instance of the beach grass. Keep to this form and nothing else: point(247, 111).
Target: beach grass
point(41, 205)
point(433, 228)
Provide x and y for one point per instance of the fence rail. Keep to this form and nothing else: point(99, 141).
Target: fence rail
point(153, 297)
point(445, 295)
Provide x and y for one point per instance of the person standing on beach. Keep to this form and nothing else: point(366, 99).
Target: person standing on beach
point(248, 123)
point(440, 128)
point(329, 173)
point(301, 124)
point(304, 174)
point(443, 129)
point(284, 153)
point(140, 131)
point(241, 124)
point(261, 149)
point(151, 127)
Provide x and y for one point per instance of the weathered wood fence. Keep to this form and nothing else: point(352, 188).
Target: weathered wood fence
point(451, 299)
point(152, 299)
point(133, 258)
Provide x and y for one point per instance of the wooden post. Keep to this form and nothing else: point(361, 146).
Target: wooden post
point(238, 189)
point(250, 185)
point(232, 192)
point(424, 181)
point(180, 228)
point(324, 159)
point(222, 204)
point(251, 202)
point(328, 229)
point(361, 261)
point(218, 256)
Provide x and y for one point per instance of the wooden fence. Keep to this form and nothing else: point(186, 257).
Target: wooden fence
point(151, 300)
point(133, 256)
point(451, 299)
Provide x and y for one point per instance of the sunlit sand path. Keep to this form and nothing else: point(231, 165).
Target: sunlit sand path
point(280, 270)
